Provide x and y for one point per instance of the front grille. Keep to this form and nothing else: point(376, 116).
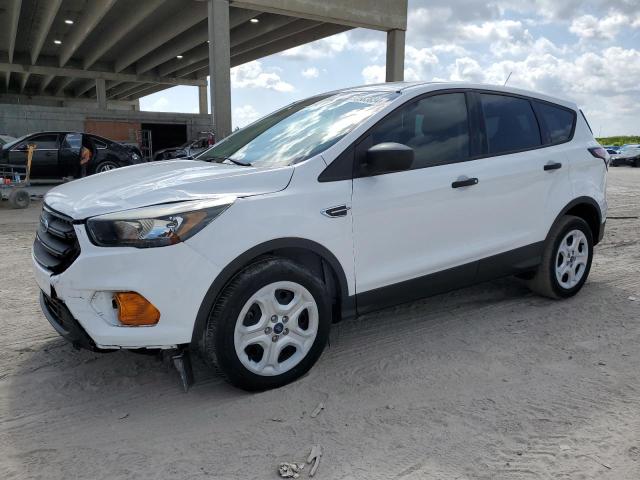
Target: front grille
point(56, 245)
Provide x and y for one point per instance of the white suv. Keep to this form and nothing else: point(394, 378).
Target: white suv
point(334, 206)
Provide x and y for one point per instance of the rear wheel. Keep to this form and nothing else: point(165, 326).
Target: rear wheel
point(19, 198)
point(566, 260)
point(269, 325)
point(106, 166)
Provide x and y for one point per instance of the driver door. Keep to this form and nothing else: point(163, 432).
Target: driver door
point(44, 163)
point(413, 232)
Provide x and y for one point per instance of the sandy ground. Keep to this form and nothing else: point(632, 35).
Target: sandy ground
point(489, 382)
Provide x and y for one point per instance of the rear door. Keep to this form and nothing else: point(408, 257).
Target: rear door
point(520, 178)
point(44, 164)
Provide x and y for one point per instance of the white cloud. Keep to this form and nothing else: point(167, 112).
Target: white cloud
point(419, 65)
point(251, 75)
point(588, 27)
point(160, 105)
point(245, 115)
point(324, 48)
point(311, 72)
point(374, 73)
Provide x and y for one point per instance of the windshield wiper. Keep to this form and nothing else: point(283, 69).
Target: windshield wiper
point(232, 160)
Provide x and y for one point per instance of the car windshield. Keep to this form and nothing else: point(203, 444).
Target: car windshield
point(299, 131)
point(14, 142)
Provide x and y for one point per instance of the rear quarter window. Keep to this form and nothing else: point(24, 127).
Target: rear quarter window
point(558, 122)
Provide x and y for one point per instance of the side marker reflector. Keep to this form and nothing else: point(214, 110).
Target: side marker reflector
point(135, 310)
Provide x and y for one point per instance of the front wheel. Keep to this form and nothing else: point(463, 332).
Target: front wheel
point(566, 260)
point(269, 326)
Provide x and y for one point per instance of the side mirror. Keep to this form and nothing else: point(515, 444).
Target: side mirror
point(388, 157)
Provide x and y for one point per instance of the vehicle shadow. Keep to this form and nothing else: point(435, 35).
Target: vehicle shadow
point(55, 395)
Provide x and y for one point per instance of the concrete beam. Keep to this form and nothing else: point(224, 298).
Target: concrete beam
point(195, 67)
point(220, 66)
point(124, 26)
point(203, 100)
point(24, 78)
point(101, 93)
point(311, 35)
point(84, 87)
point(13, 12)
point(135, 92)
point(26, 99)
point(46, 80)
point(63, 86)
point(79, 73)
point(191, 14)
point(379, 15)
point(151, 89)
point(122, 89)
point(91, 16)
point(188, 40)
point(280, 28)
point(292, 29)
point(50, 10)
point(395, 55)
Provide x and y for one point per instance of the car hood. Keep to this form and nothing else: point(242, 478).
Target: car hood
point(162, 182)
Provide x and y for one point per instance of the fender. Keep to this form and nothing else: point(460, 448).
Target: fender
point(347, 303)
point(599, 232)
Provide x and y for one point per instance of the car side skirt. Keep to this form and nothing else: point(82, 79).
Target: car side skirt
point(515, 261)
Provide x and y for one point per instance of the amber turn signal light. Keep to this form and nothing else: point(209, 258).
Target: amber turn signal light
point(135, 310)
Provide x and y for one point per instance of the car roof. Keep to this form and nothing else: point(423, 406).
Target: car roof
point(425, 87)
point(66, 132)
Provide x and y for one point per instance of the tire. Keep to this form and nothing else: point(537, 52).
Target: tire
point(105, 166)
point(563, 273)
point(19, 198)
point(262, 348)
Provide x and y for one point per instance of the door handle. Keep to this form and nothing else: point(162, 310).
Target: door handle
point(467, 182)
point(552, 166)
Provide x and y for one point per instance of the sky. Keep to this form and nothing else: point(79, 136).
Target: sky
point(584, 51)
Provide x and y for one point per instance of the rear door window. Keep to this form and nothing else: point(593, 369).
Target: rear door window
point(510, 123)
point(558, 122)
point(42, 142)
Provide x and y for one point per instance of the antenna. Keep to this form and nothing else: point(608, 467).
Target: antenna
point(508, 77)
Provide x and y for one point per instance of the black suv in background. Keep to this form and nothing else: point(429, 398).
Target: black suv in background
point(57, 154)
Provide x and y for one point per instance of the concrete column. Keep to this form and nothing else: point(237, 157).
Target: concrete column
point(203, 100)
point(101, 93)
point(219, 66)
point(395, 55)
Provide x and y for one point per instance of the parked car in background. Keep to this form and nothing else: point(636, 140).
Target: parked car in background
point(336, 205)
point(6, 139)
point(189, 149)
point(57, 154)
point(628, 155)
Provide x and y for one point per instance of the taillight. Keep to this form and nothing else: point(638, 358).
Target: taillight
point(600, 153)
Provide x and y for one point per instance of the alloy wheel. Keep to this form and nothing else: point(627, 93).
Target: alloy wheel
point(276, 328)
point(571, 259)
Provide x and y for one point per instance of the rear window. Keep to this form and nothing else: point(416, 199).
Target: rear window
point(557, 120)
point(510, 123)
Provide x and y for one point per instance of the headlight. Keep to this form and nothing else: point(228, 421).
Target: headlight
point(156, 226)
point(135, 157)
